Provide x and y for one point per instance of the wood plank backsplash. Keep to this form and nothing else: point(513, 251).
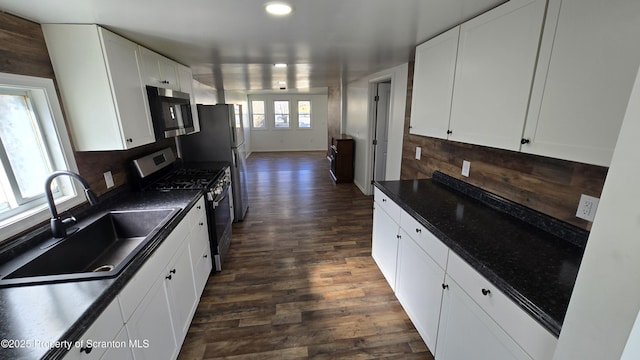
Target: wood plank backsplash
point(548, 185)
point(23, 51)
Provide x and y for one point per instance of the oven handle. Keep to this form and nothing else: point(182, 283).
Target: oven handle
point(218, 199)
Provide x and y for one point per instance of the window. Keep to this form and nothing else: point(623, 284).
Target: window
point(24, 158)
point(31, 147)
point(281, 114)
point(258, 114)
point(304, 114)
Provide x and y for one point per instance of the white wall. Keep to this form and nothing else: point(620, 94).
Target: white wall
point(606, 298)
point(204, 94)
point(359, 117)
point(292, 139)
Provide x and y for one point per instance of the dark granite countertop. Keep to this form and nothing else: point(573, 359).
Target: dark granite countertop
point(36, 316)
point(530, 261)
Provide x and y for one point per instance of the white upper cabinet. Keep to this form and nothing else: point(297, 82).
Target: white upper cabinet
point(433, 75)
point(158, 70)
point(588, 60)
point(185, 77)
point(99, 78)
point(496, 60)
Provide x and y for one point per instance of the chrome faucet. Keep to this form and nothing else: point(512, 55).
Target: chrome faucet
point(59, 225)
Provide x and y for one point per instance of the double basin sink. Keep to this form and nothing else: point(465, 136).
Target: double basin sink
point(100, 247)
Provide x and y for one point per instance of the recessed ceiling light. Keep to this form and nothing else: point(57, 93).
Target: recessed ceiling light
point(282, 82)
point(280, 65)
point(278, 8)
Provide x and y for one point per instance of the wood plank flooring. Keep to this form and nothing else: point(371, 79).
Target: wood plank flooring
point(299, 281)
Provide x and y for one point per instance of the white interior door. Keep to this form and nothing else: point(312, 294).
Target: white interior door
point(381, 138)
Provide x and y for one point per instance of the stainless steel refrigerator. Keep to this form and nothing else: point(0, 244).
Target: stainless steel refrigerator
point(221, 138)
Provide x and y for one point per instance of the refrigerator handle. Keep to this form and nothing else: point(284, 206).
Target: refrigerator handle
point(233, 136)
point(235, 158)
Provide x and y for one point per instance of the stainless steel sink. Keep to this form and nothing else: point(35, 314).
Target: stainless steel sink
point(100, 248)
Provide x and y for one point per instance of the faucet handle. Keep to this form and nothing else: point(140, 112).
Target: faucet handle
point(70, 220)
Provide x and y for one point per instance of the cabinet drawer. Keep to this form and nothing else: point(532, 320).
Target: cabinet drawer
point(529, 334)
point(388, 205)
point(425, 239)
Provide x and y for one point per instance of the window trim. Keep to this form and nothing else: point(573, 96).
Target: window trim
point(273, 106)
point(266, 125)
point(54, 132)
point(310, 114)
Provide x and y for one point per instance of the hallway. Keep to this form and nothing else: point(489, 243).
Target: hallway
point(299, 281)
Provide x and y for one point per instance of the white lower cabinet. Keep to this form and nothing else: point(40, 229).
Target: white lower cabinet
point(121, 348)
point(164, 314)
point(107, 328)
point(181, 290)
point(384, 244)
point(152, 323)
point(200, 254)
point(458, 313)
point(419, 288)
point(467, 332)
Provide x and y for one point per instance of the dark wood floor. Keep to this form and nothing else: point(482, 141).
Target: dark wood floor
point(299, 281)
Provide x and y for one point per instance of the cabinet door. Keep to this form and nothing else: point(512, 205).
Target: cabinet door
point(169, 73)
point(589, 58)
point(158, 70)
point(200, 254)
point(178, 280)
point(130, 97)
point(104, 328)
point(122, 352)
point(384, 244)
point(467, 332)
point(152, 322)
point(496, 58)
point(433, 85)
point(150, 68)
point(419, 288)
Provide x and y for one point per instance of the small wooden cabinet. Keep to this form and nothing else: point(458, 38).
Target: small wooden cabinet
point(341, 154)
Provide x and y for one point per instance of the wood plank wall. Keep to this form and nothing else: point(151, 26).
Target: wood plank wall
point(547, 185)
point(23, 51)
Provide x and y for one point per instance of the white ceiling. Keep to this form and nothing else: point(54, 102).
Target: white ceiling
point(233, 44)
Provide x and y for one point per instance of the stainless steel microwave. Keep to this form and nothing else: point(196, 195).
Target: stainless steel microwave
point(170, 112)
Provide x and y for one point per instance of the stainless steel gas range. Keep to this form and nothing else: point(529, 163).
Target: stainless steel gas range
point(161, 171)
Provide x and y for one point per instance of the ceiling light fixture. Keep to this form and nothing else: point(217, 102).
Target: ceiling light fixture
point(282, 83)
point(280, 65)
point(278, 8)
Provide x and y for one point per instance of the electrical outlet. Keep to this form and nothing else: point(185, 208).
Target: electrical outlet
point(587, 207)
point(108, 179)
point(418, 152)
point(466, 166)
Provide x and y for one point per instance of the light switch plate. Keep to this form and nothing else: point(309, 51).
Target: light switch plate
point(108, 179)
point(466, 166)
point(587, 207)
point(418, 152)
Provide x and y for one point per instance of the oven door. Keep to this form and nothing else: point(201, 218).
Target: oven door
point(220, 226)
point(222, 214)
